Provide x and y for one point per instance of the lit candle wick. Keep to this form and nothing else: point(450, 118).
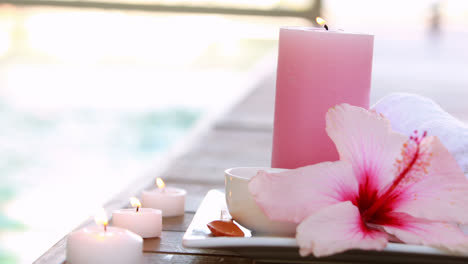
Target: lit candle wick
point(135, 203)
point(161, 185)
point(322, 22)
point(101, 218)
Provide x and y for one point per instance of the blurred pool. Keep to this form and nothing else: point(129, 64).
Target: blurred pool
point(50, 153)
point(91, 99)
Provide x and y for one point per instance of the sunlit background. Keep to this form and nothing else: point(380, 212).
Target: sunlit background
point(91, 98)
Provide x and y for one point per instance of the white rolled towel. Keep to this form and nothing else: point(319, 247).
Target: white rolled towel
point(409, 112)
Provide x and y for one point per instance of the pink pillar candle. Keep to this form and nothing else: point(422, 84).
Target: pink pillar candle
point(317, 69)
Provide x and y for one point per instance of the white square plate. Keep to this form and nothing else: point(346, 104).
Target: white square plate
point(199, 236)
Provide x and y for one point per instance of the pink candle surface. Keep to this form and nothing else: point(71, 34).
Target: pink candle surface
point(317, 69)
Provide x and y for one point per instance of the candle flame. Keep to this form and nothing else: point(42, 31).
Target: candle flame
point(160, 183)
point(101, 218)
point(320, 21)
point(135, 202)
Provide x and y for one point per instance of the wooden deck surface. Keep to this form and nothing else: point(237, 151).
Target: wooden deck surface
point(242, 137)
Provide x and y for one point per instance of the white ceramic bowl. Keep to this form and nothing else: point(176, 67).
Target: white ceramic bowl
point(243, 208)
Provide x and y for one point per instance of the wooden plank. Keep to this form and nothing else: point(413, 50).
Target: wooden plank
point(177, 223)
point(170, 242)
point(195, 259)
point(199, 170)
point(183, 259)
point(195, 193)
point(218, 150)
point(164, 258)
point(285, 255)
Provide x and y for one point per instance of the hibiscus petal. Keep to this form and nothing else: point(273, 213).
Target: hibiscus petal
point(335, 229)
point(429, 233)
point(437, 192)
point(365, 139)
point(295, 194)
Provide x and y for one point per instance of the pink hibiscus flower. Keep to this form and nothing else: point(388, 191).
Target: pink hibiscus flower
point(385, 186)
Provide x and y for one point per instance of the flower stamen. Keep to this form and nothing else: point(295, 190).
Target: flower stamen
point(410, 156)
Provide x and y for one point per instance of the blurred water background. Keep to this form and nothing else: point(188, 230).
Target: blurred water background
point(92, 99)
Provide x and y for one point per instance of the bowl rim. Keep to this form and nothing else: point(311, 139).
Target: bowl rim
point(228, 172)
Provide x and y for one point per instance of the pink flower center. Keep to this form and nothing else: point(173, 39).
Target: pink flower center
point(376, 208)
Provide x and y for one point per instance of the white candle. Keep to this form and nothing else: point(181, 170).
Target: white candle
point(146, 222)
point(171, 201)
point(102, 244)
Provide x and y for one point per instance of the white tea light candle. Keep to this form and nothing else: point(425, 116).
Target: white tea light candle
point(146, 222)
point(103, 244)
point(171, 201)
